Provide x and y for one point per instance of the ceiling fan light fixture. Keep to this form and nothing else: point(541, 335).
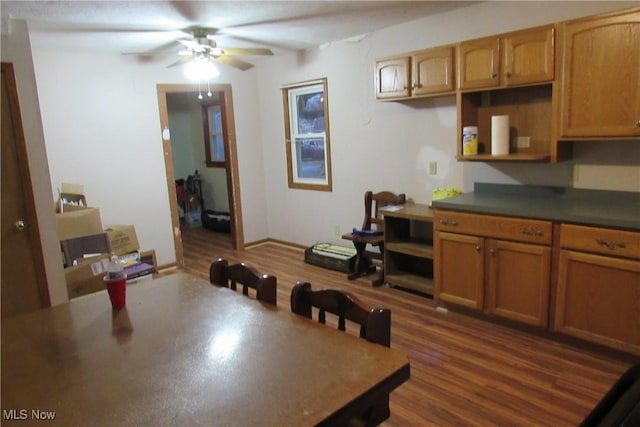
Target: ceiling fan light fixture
point(201, 69)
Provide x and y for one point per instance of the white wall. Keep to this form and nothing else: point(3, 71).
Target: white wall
point(388, 145)
point(16, 49)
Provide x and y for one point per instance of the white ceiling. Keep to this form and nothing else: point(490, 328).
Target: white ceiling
point(153, 26)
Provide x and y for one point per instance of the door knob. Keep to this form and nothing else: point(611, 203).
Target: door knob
point(20, 225)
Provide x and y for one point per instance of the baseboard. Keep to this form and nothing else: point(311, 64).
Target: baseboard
point(270, 241)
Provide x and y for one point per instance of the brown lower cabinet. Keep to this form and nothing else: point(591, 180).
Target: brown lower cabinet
point(599, 293)
point(495, 264)
point(501, 266)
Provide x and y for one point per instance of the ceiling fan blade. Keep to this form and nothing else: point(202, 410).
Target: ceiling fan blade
point(181, 61)
point(247, 51)
point(234, 62)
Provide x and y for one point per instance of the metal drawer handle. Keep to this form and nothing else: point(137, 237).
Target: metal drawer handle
point(527, 231)
point(611, 244)
point(448, 222)
point(530, 232)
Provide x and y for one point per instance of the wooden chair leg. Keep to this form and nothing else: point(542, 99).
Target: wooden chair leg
point(362, 265)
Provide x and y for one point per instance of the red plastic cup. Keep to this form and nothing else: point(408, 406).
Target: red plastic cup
point(117, 289)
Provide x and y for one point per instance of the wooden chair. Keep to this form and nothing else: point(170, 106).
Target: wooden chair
point(375, 323)
point(223, 274)
point(373, 233)
point(375, 326)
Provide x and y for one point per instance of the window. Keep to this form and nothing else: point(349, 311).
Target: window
point(214, 134)
point(307, 135)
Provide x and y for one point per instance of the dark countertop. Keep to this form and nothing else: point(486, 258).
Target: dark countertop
point(618, 209)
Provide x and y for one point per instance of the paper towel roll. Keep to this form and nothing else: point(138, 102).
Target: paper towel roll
point(499, 135)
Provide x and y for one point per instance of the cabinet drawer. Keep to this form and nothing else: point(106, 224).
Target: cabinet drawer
point(601, 240)
point(522, 230)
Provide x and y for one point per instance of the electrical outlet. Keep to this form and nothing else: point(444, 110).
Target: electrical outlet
point(336, 230)
point(523, 142)
point(575, 173)
point(433, 168)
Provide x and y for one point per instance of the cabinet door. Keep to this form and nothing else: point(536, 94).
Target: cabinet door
point(528, 57)
point(459, 269)
point(599, 300)
point(518, 281)
point(478, 63)
point(601, 77)
point(392, 78)
point(433, 72)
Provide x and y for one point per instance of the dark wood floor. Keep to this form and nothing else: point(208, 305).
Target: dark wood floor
point(464, 371)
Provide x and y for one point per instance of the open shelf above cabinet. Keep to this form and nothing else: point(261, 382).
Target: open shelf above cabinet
point(530, 120)
point(514, 157)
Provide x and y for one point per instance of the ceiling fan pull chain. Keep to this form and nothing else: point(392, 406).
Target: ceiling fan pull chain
point(199, 90)
point(209, 87)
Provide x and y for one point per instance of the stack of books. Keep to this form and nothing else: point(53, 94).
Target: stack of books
point(138, 270)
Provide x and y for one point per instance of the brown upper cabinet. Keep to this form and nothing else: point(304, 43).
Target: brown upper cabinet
point(427, 72)
point(518, 58)
point(601, 76)
point(393, 77)
point(569, 81)
point(433, 71)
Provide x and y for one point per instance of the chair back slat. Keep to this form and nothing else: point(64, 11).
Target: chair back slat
point(375, 323)
point(223, 274)
point(372, 204)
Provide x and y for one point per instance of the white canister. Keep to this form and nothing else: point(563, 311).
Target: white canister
point(469, 140)
point(499, 135)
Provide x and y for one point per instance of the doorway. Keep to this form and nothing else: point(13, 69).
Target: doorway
point(231, 164)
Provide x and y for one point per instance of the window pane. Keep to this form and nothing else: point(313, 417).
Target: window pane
point(310, 113)
point(310, 155)
point(217, 121)
point(216, 134)
point(217, 148)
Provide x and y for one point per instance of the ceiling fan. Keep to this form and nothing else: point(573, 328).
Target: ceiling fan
point(201, 46)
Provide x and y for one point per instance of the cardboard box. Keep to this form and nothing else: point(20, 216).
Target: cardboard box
point(71, 196)
point(86, 278)
point(123, 239)
point(77, 223)
point(79, 247)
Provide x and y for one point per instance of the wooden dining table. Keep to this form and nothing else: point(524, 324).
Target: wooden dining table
point(185, 352)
